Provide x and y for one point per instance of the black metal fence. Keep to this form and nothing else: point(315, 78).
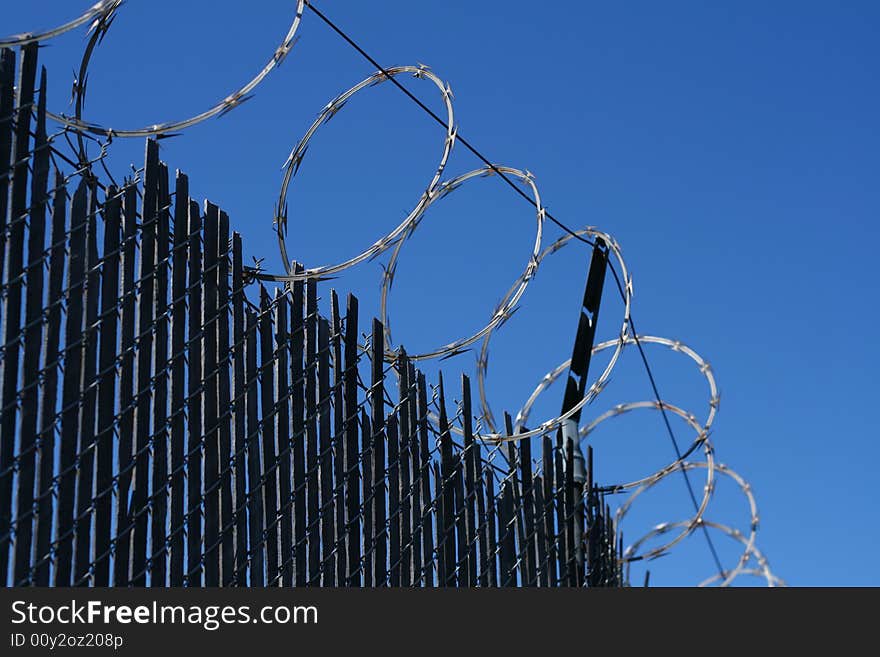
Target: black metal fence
point(159, 427)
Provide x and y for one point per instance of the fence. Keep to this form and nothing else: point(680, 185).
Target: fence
point(159, 427)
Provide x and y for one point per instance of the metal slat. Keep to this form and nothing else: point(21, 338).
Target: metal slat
point(352, 457)
point(527, 498)
point(328, 538)
point(547, 511)
point(138, 516)
point(417, 477)
point(224, 405)
point(49, 391)
point(194, 400)
point(212, 549)
point(254, 464)
point(540, 533)
point(178, 380)
point(394, 513)
point(518, 537)
point(561, 512)
point(377, 409)
point(86, 465)
point(405, 460)
point(267, 406)
point(425, 469)
point(338, 454)
point(158, 562)
point(71, 386)
point(471, 458)
point(126, 386)
point(312, 487)
point(367, 485)
point(240, 405)
point(440, 511)
point(7, 105)
point(33, 337)
point(282, 372)
point(109, 334)
point(446, 541)
point(491, 516)
point(297, 376)
point(14, 259)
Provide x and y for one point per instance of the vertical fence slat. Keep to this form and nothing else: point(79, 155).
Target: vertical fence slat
point(86, 463)
point(254, 466)
point(487, 556)
point(194, 400)
point(492, 519)
point(427, 529)
point(267, 405)
point(377, 408)
point(297, 375)
point(126, 386)
point(33, 337)
point(211, 549)
point(561, 524)
point(405, 491)
point(159, 519)
point(178, 379)
point(440, 504)
point(571, 565)
point(507, 533)
point(367, 494)
point(138, 516)
point(339, 477)
point(224, 406)
point(107, 385)
point(7, 105)
point(51, 358)
point(540, 533)
point(415, 456)
point(547, 510)
point(527, 500)
point(240, 405)
point(326, 455)
point(71, 385)
point(14, 259)
point(394, 513)
point(312, 490)
point(285, 498)
point(516, 508)
point(471, 457)
point(446, 541)
point(352, 489)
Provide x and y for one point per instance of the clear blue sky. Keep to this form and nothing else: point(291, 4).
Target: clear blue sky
point(732, 151)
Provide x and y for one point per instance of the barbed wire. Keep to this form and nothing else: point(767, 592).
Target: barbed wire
point(100, 17)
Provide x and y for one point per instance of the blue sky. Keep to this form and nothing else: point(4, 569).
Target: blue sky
point(732, 151)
